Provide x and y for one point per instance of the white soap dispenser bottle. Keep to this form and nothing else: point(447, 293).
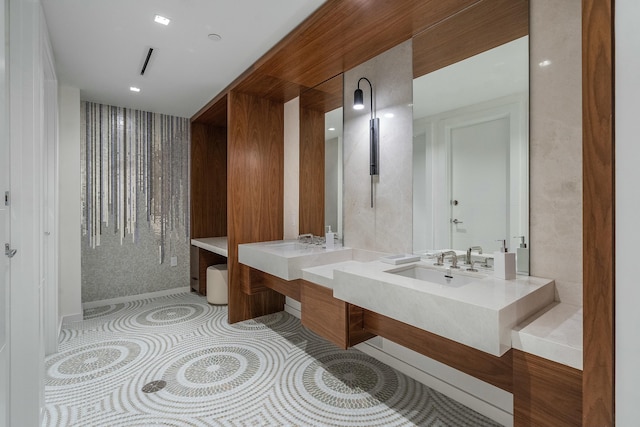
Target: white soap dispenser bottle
point(522, 256)
point(329, 241)
point(504, 263)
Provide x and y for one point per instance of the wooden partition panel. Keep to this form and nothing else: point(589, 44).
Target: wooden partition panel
point(598, 213)
point(545, 393)
point(481, 27)
point(255, 177)
point(311, 210)
point(208, 180)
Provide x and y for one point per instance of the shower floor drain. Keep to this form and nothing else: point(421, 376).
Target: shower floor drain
point(154, 386)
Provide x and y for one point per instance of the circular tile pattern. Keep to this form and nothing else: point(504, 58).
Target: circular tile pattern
point(212, 371)
point(345, 381)
point(164, 316)
point(92, 313)
point(90, 362)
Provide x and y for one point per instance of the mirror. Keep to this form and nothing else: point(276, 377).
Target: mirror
point(321, 158)
point(333, 170)
point(470, 152)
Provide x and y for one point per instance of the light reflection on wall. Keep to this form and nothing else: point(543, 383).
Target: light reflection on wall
point(134, 174)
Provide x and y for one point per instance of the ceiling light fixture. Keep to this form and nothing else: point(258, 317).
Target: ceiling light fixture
point(161, 20)
point(134, 89)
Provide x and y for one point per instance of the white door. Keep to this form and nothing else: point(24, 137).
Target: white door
point(480, 184)
point(4, 226)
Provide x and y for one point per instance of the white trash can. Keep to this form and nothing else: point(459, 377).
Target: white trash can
point(217, 277)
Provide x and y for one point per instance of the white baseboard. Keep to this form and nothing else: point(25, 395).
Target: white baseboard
point(465, 389)
point(119, 300)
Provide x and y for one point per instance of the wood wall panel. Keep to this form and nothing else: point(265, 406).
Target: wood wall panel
point(311, 198)
point(338, 36)
point(481, 27)
point(494, 370)
point(545, 393)
point(598, 213)
point(208, 181)
point(255, 176)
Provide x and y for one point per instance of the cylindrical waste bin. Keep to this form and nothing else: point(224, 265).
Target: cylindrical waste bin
point(217, 284)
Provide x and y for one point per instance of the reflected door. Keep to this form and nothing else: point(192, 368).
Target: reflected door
point(479, 178)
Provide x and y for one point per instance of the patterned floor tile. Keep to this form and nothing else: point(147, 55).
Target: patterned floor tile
point(269, 371)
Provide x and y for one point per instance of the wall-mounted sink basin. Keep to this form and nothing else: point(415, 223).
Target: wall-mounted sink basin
point(474, 309)
point(286, 258)
point(453, 278)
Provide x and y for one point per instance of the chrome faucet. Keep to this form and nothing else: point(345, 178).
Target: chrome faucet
point(472, 248)
point(454, 258)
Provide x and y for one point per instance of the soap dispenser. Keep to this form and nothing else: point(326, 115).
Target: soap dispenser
point(522, 256)
point(329, 237)
point(504, 263)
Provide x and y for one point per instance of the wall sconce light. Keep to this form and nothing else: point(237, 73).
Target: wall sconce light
point(374, 129)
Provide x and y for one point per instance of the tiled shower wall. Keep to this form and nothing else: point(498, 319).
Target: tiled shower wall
point(135, 200)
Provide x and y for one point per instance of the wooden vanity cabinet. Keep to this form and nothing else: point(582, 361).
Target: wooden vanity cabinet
point(335, 320)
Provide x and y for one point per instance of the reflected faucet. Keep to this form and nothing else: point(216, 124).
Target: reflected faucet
point(472, 248)
point(305, 238)
point(454, 258)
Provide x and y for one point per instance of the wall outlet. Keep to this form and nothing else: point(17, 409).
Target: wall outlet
point(174, 261)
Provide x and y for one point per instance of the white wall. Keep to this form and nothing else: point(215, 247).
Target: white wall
point(69, 298)
point(27, 36)
point(627, 234)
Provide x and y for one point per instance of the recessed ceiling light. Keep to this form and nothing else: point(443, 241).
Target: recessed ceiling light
point(162, 20)
point(545, 63)
point(134, 89)
point(331, 129)
point(214, 37)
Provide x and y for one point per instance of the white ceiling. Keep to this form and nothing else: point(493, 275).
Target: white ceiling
point(100, 47)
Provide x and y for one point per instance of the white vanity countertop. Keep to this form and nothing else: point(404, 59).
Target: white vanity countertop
point(287, 258)
point(555, 334)
point(480, 314)
point(217, 245)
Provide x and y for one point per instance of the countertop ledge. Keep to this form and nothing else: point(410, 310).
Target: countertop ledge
point(554, 334)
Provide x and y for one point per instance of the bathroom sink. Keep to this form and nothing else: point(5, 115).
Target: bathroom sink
point(294, 246)
point(453, 279)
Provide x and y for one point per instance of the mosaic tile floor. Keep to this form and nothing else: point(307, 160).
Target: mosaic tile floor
point(269, 371)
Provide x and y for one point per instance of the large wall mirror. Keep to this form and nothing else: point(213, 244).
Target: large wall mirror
point(470, 148)
point(321, 123)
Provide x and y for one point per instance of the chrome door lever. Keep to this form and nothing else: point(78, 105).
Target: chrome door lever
point(456, 221)
point(8, 251)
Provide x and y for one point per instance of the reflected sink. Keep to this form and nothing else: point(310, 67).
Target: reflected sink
point(434, 276)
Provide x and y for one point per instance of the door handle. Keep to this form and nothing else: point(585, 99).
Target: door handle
point(456, 222)
point(8, 251)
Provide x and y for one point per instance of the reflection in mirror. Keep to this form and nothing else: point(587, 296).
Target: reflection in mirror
point(321, 158)
point(333, 170)
point(470, 155)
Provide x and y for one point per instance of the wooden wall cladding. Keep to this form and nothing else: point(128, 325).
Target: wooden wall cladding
point(494, 370)
point(208, 181)
point(598, 213)
point(483, 26)
point(545, 393)
point(311, 198)
point(338, 36)
point(255, 195)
